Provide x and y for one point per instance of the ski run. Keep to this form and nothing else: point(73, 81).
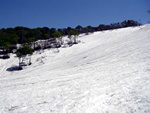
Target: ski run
point(107, 72)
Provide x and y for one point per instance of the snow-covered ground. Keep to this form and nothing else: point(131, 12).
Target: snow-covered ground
point(108, 72)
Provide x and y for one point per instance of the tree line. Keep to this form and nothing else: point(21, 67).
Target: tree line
point(10, 37)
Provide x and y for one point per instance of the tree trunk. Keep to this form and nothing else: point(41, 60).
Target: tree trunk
point(34, 45)
point(30, 61)
point(19, 64)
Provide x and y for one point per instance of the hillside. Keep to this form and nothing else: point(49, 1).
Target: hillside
point(107, 72)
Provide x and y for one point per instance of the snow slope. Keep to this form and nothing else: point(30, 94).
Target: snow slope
point(108, 72)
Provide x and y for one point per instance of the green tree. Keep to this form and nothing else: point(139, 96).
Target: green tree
point(69, 28)
point(30, 40)
point(90, 28)
point(73, 35)
point(2, 44)
point(10, 30)
point(58, 37)
point(14, 38)
point(5, 42)
point(46, 36)
point(79, 28)
point(59, 30)
point(37, 35)
point(23, 51)
point(56, 34)
point(52, 30)
point(45, 30)
point(21, 32)
point(7, 45)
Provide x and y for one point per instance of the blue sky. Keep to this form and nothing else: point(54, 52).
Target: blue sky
point(64, 13)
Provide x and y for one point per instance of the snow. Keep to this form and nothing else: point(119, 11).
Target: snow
point(108, 72)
